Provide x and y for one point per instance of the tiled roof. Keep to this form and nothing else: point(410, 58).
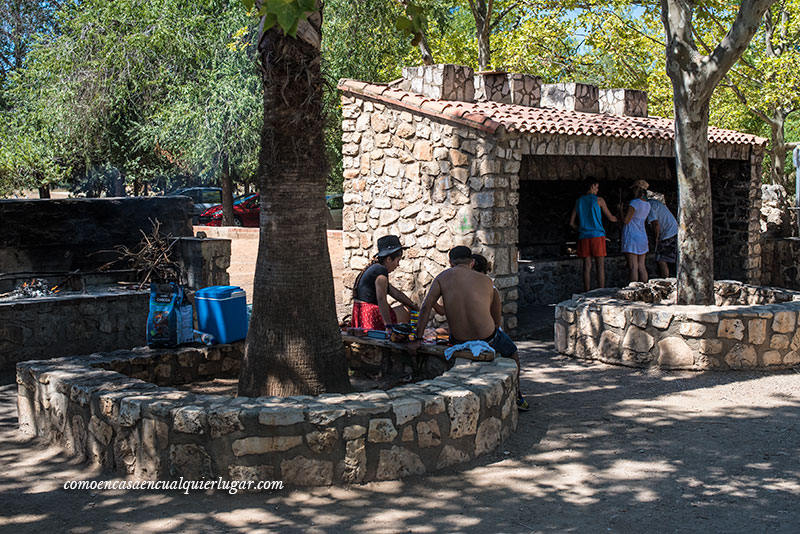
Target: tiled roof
point(488, 116)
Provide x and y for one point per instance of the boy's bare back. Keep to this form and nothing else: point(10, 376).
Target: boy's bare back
point(467, 296)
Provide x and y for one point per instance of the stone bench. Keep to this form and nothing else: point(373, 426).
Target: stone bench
point(751, 327)
point(120, 410)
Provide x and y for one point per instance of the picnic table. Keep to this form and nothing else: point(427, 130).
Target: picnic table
point(429, 349)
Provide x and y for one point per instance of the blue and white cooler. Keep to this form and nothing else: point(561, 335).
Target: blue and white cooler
point(222, 312)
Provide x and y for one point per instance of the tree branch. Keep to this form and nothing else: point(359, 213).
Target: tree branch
point(735, 42)
point(502, 15)
point(740, 96)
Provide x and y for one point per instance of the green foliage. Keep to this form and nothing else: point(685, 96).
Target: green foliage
point(285, 13)
point(146, 91)
point(359, 41)
point(413, 23)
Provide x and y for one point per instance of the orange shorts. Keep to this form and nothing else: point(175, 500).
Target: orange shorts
point(592, 247)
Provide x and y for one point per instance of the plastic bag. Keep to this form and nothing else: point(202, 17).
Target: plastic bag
point(170, 321)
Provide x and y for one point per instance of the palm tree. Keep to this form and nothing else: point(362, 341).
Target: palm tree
point(293, 345)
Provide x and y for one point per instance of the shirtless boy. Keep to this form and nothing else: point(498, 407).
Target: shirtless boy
point(468, 298)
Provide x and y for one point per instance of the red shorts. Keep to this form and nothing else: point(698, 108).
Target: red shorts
point(592, 247)
point(366, 315)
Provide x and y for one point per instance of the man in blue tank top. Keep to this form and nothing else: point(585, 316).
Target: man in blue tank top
point(586, 219)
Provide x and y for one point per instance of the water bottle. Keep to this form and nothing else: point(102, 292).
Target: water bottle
point(203, 337)
point(414, 319)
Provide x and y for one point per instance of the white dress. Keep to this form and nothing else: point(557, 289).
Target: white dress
point(634, 236)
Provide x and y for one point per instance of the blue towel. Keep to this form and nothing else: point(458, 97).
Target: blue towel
point(476, 347)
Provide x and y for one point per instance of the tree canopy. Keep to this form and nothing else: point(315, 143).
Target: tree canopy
point(96, 94)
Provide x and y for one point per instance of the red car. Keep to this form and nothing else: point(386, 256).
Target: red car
point(245, 212)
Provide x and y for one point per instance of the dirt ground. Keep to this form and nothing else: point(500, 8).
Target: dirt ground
point(604, 449)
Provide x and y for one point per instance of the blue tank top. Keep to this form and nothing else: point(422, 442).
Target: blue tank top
point(589, 217)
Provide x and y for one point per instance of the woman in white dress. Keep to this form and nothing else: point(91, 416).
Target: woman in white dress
point(634, 236)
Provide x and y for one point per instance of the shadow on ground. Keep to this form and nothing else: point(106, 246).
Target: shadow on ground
point(603, 449)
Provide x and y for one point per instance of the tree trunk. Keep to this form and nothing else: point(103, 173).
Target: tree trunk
point(694, 78)
point(44, 191)
point(778, 167)
point(425, 50)
point(294, 345)
point(137, 187)
point(119, 185)
point(484, 54)
point(695, 231)
point(227, 192)
point(482, 13)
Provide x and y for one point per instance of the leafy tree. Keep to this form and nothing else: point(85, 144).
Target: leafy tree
point(767, 79)
point(210, 118)
point(694, 77)
point(364, 46)
point(20, 21)
point(138, 92)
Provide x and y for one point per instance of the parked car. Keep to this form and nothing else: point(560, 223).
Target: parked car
point(202, 197)
point(245, 212)
point(335, 205)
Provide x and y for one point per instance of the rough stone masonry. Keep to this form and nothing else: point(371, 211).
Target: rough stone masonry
point(119, 410)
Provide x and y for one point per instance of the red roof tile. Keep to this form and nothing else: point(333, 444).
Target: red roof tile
point(489, 116)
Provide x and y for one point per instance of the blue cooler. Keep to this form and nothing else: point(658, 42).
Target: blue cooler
point(222, 312)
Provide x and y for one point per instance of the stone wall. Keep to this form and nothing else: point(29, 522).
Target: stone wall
point(520, 89)
point(93, 408)
point(72, 324)
point(549, 282)
point(64, 235)
point(736, 205)
point(436, 186)
point(204, 262)
point(750, 328)
point(627, 102)
point(780, 261)
point(444, 82)
point(571, 97)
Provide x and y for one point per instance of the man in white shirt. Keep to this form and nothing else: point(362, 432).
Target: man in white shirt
point(665, 227)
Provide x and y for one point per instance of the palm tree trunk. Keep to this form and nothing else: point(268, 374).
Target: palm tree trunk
point(293, 345)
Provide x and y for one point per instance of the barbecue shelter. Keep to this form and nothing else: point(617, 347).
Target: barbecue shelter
point(445, 156)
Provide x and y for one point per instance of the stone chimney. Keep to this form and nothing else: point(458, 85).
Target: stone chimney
point(571, 97)
point(509, 88)
point(442, 82)
point(526, 89)
point(629, 102)
point(492, 85)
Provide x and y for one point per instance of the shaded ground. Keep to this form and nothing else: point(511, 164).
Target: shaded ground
point(603, 449)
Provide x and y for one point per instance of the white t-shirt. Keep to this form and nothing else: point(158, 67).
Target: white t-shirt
point(667, 224)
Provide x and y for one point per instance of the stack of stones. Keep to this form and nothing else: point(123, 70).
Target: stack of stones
point(520, 89)
point(443, 82)
point(95, 411)
point(627, 102)
point(435, 185)
point(749, 328)
point(571, 97)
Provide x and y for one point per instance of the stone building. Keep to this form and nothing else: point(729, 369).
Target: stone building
point(445, 156)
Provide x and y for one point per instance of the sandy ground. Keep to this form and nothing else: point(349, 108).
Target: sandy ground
point(604, 449)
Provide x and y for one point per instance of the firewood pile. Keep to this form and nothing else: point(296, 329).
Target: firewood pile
point(151, 259)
